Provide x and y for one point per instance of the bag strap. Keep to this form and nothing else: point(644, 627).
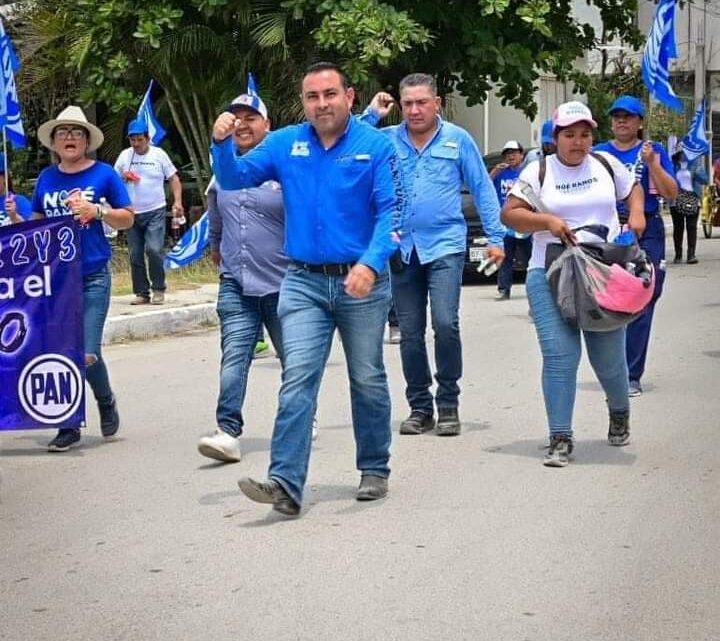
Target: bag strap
point(599, 157)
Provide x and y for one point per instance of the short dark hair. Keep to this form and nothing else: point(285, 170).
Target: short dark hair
point(318, 67)
point(419, 80)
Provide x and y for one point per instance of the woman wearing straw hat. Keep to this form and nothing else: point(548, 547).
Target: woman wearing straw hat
point(92, 193)
point(573, 189)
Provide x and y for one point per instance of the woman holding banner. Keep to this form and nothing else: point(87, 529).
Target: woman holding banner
point(92, 193)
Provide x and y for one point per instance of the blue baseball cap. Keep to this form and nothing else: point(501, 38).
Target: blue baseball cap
point(630, 104)
point(546, 135)
point(249, 101)
point(137, 127)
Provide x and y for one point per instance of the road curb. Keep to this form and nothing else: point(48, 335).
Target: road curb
point(159, 323)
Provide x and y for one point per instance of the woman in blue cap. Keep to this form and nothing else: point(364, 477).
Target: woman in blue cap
point(654, 171)
point(14, 208)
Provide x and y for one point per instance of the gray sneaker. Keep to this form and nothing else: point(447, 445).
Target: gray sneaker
point(269, 492)
point(558, 455)
point(634, 388)
point(417, 423)
point(619, 429)
point(448, 423)
point(372, 488)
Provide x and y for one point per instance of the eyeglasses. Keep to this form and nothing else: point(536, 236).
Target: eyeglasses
point(67, 132)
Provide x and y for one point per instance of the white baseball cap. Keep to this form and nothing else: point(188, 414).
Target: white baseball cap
point(512, 145)
point(570, 113)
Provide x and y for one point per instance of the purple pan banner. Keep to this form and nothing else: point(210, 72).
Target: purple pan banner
point(42, 356)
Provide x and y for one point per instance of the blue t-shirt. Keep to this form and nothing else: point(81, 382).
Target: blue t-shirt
point(97, 181)
point(632, 160)
point(21, 203)
point(504, 182)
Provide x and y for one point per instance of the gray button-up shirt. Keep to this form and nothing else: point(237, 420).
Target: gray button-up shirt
point(248, 227)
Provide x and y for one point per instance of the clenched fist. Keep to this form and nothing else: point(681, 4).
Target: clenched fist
point(224, 126)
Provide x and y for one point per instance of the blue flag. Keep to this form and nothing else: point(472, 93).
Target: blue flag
point(191, 246)
point(695, 142)
point(147, 113)
point(659, 50)
point(9, 103)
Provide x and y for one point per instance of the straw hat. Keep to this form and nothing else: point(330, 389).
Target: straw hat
point(71, 115)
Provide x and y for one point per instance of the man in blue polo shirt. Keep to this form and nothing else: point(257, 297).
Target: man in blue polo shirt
point(437, 159)
point(342, 198)
point(653, 169)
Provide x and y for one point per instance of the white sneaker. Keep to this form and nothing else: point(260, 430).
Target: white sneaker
point(221, 447)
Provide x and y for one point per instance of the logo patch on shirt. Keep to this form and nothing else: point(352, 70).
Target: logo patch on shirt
point(451, 143)
point(300, 148)
point(362, 156)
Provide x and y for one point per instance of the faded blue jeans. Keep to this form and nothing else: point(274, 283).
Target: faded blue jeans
point(96, 301)
point(311, 307)
point(241, 320)
point(147, 236)
point(440, 281)
point(561, 351)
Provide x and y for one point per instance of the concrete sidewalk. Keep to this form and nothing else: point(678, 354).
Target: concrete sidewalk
point(183, 310)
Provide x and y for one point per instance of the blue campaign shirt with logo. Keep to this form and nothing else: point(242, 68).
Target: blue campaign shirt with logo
point(434, 224)
point(22, 204)
point(96, 182)
point(504, 182)
point(631, 159)
point(342, 204)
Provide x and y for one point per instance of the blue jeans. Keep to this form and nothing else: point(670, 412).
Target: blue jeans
point(241, 320)
point(561, 350)
point(638, 332)
point(96, 301)
point(147, 236)
point(441, 280)
point(505, 273)
point(311, 307)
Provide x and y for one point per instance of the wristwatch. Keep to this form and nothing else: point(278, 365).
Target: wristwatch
point(102, 210)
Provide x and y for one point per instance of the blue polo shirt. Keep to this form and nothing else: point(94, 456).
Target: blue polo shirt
point(631, 159)
point(342, 204)
point(96, 182)
point(433, 178)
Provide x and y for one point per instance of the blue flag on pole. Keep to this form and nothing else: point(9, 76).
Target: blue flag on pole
point(659, 50)
point(191, 245)
point(695, 142)
point(147, 113)
point(10, 117)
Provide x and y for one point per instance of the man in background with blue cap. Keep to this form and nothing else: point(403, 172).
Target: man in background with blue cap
point(653, 170)
point(144, 168)
point(547, 145)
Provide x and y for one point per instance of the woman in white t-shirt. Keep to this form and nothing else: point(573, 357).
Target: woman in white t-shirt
point(576, 189)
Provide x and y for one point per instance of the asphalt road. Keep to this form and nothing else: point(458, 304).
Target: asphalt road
point(142, 539)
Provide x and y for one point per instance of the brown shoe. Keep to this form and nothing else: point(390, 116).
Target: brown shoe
point(140, 300)
point(158, 298)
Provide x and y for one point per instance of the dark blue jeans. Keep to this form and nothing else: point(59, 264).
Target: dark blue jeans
point(147, 236)
point(638, 332)
point(505, 273)
point(441, 281)
point(311, 307)
point(241, 320)
point(96, 301)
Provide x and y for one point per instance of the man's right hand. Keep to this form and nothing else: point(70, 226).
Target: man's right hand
point(224, 126)
point(382, 102)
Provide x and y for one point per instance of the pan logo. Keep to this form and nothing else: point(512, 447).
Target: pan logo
point(50, 388)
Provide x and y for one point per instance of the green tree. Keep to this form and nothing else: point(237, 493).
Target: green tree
point(199, 51)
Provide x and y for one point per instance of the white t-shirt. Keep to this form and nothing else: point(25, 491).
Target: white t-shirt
point(580, 195)
point(154, 167)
